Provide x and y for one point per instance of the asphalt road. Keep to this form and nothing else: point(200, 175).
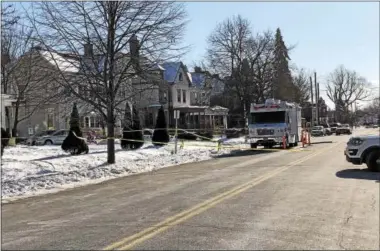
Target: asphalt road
point(302, 199)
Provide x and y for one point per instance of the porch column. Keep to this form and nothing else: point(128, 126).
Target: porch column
point(199, 120)
point(225, 121)
point(204, 123)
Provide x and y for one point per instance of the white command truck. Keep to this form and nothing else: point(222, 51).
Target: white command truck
point(275, 121)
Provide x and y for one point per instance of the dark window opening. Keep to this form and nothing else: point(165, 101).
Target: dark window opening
point(268, 117)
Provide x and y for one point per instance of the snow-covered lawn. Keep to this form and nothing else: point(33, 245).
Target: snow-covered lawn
point(34, 170)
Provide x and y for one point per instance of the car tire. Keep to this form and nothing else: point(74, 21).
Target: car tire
point(48, 142)
point(373, 161)
point(253, 145)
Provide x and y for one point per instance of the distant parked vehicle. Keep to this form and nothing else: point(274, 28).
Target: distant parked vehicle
point(31, 141)
point(318, 131)
point(327, 129)
point(344, 129)
point(56, 138)
point(334, 126)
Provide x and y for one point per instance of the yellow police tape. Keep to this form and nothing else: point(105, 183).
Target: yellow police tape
point(219, 144)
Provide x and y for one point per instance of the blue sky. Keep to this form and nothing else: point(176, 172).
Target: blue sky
point(326, 34)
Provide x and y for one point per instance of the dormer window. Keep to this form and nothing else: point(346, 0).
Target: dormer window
point(180, 77)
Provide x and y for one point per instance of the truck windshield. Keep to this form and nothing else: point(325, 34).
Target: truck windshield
point(268, 117)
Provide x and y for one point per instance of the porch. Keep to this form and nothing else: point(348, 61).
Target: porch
point(202, 117)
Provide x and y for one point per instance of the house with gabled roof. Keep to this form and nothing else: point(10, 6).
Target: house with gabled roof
point(176, 90)
point(57, 114)
point(189, 93)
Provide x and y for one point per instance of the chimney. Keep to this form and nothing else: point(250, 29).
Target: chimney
point(88, 50)
point(134, 47)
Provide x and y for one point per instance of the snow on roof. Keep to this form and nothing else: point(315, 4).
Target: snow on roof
point(217, 107)
point(63, 64)
point(190, 77)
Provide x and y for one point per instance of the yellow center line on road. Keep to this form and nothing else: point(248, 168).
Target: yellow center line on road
point(133, 240)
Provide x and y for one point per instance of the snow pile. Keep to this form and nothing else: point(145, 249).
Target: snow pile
point(33, 170)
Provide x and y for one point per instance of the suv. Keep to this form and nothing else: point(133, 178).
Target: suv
point(318, 131)
point(334, 126)
point(31, 141)
point(343, 129)
point(56, 138)
point(364, 149)
point(327, 129)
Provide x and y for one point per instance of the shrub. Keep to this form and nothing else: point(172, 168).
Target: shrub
point(160, 134)
point(137, 131)
point(132, 134)
point(4, 140)
point(74, 143)
point(126, 142)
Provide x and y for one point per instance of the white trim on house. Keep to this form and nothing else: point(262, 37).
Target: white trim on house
point(6, 101)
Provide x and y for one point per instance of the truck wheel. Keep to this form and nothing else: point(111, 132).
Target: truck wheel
point(373, 161)
point(253, 145)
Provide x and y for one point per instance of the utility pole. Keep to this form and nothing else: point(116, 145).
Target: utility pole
point(312, 102)
point(316, 97)
point(319, 115)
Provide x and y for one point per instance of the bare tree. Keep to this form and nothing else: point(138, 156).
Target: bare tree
point(9, 16)
point(302, 86)
point(226, 45)
point(226, 55)
point(124, 41)
point(344, 88)
point(21, 78)
point(260, 54)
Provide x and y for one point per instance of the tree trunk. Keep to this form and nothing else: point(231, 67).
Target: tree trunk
point(15, 122)
point(110, 137)
point(8, 118)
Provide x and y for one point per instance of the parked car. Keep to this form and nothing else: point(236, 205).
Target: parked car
point(364, 149)
point(31, 141)
point(375, 126)
point(334, 126)
point(344, 129)
point(56, 138)
point(327, 129)
point(318, 131)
